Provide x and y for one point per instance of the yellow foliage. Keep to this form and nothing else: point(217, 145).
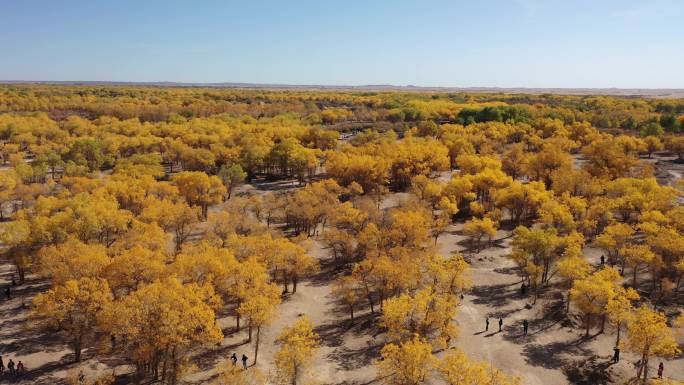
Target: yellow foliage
point(649, 335)
point(298, 345)
point(72, 259)
point(73, 307)
point(407, 363)
point(160, 322)
point(457, 369)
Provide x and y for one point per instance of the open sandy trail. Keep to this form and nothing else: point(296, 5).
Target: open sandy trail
point(496, 293)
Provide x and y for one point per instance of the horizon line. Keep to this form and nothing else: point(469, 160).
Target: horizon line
point(620, 91)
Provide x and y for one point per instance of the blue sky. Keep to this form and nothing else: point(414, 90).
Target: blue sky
point(505, 43)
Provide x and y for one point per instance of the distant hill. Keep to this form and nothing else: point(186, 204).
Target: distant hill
point(646, 92)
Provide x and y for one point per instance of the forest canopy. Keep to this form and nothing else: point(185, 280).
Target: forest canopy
point(157, 216)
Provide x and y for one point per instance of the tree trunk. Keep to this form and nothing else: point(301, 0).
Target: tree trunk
point(21, 272)
point(237, 320)
point(249, 333)
point(644, 364)
point(295, 374)
point(139, 372)
point(634, 277)
point(256, 347)
point(77, 349)
point(603, 323)
point(588, 320)
point(174, 369)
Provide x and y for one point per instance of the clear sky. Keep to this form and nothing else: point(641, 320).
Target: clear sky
point(505, 43)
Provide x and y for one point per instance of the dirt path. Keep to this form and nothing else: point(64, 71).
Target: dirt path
point(547, 355)
point(552, 353)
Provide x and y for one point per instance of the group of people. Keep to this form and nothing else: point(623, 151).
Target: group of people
point(526, 325)
point(487, 324)
point(12, 369)
point(244, 359)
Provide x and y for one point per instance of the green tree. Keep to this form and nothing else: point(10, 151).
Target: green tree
point(231, 176)
point(652, 129)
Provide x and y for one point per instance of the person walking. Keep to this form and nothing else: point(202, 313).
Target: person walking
point(523, 288)
point(8, 294)
point(10, 367)
point(2, 366)
point(603, 260)
point(234, 359)
point(661, 367)
point(616, 354)
point(500, 323)
point(244, 361)
point(487, 324)
point(20, 368)
point(525, 327)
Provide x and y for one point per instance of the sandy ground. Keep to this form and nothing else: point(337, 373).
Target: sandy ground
point(554, 352)
point(348, 350)
point(551, 353)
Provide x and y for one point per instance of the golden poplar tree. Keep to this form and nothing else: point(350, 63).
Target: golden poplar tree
point(406, 363)
point(200, 189)
point(72, 308)
point(457, 369)
point(260, 309)
point(648, 335)
point(298, 346)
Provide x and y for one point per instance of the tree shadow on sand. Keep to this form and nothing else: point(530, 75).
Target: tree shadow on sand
point(30, 287)
point(495, 295)
point(267, 184)
point(332, 334)
point(590, 371)
point(512, 270)
point(552, 314)
point(468, 246)
point(32, 342)
point(350, 359)
point(330, 269)
point(373, 381)
point(363, 326)
point(207, 359)
point(42, 374)
point(554, 355)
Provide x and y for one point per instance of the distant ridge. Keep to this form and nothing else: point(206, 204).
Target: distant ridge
point(645, 92)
